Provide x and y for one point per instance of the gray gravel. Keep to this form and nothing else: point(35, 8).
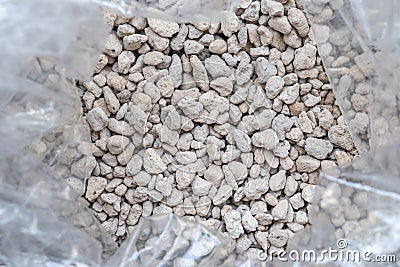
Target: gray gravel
point(225, 124)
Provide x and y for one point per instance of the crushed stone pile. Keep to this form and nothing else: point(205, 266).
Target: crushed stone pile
point(227, 124)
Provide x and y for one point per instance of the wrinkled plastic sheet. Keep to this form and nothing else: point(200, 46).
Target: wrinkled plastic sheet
point(167, 240)
point(354, 216)
point(46, 152)
point(359, 47)
point(173, 10)
point(43, 221)
point(356, 210)
point(45, 143)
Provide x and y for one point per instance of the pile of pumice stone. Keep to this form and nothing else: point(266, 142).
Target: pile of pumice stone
point(227, 124)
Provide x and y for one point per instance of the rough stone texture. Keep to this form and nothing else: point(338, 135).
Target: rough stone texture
point(307, 164)
point(249, 223)
point(153, 58)
point(218, 47)
point(97, 119)
point(305, 57)
point(280, 24)
point(308, 193)
point(243, 141)
point(233, 224)
point(192, 47)
point(226, 124)
point(113, 46)
point(278, 238)
point(318, 148)
point(134, 41)
point(266, 139)
point(222, 85)
point(279, 212)
point(299, 21)
point(339, 135)
point(223, 194)
point(162, 27)
point(152, 162)
point(95, 187)
point(117, 143)
point(265, 70)
point(277, 181)
point(274, 86)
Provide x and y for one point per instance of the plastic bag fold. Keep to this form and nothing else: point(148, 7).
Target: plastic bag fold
point(46, 154)
point(356, 209)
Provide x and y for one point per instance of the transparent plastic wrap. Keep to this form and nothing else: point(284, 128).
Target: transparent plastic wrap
point(167, 240)
point(358, 42)
point(355, 210)
point(174, 10)
point(36, 59)
point(48, 225)
point(354, 216)
point(45, 146)
point(44, 222)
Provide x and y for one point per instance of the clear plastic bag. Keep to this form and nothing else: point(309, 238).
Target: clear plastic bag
point(174, 10)
point(359, 43)
point(45, 144)
point(355, 214)
point(355, 211)
point(43, 221)
point(168, 240)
